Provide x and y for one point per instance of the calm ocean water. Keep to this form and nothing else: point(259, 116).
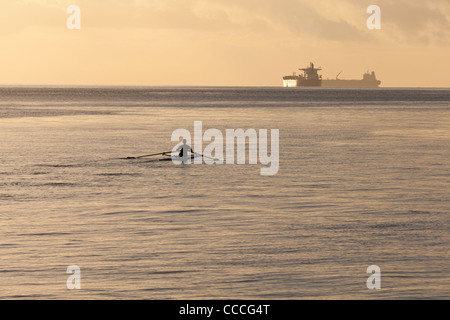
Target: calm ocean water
point(364, 180)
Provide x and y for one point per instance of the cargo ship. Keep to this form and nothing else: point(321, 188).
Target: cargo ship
point(311, 78)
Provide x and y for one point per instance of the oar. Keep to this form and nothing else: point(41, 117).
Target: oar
point(215, 159)
point(149, 155)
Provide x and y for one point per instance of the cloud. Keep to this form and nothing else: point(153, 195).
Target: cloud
point(402, 20)
point(419, 21)
point(412, 22)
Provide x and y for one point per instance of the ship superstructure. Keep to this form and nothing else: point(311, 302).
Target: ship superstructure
point(310, 77)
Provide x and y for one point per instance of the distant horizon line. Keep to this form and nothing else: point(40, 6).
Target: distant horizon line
point(191, 86)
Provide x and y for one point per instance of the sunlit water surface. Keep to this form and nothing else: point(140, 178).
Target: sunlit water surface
point(364, 180)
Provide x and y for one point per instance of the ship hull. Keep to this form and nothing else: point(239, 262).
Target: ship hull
point(309, 83)
point(311, 78)
point(289, 83)
point(350, 84)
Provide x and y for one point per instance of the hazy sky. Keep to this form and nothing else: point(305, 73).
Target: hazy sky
point(222, 42)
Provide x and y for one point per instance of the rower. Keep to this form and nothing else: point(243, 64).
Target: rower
point(184, 149)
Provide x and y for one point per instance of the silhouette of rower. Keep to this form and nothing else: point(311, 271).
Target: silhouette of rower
point(184, 149)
